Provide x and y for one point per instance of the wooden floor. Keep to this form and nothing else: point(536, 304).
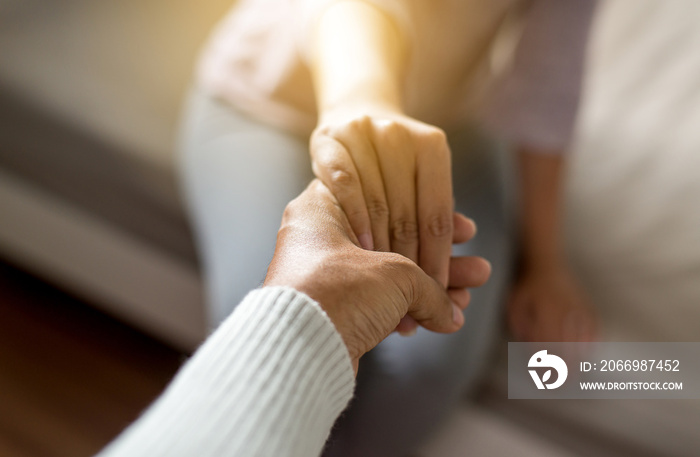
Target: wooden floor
point(70, 378)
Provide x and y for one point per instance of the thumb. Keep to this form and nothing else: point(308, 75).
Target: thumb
point(430, 305)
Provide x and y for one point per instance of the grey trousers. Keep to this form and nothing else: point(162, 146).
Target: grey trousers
point(238, 176)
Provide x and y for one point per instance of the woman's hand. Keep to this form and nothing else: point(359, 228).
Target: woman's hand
point(392, 177)
point(547, 303)
point(390, 173)
point(550, 305)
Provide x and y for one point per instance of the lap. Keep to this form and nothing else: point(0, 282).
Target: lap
point(239, 175)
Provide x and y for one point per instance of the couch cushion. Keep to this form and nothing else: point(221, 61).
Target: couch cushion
point(633, 199)
point(115, 67)
point(633, 219)
point(89, 100)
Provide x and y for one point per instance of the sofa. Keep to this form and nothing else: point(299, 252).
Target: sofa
point(90, 94)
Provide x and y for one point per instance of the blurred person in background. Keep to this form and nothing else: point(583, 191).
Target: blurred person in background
point(406, 110)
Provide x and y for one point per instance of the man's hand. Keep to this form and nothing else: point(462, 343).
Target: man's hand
point(366, 293)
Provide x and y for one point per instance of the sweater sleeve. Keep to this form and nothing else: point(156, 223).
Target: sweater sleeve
point(536, 102)
point(271, 380)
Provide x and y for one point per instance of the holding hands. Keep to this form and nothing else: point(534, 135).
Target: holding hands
point(391, 174)
point(366, 293)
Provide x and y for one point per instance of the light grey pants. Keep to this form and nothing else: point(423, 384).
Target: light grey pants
point(239, 175)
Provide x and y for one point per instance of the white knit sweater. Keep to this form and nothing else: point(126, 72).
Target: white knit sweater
point(270, 381)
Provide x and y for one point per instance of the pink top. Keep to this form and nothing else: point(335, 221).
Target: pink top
point(513, 65)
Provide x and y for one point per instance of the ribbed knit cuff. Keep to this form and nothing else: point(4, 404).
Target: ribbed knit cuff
point(271, 380)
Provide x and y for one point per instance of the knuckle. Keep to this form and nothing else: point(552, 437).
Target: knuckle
point(437, 135)
point(292, 209)
point(402, 272)
point(390, 132)
point(357, 125)
point(340, 177)
point(404, 231)
point(289, 211)
point(400, 266)
point(435, 140)
point(440, 225)
point(378, 209)
point(363, 121)
point(317, 133)
point(392, 128)
point(354, 215)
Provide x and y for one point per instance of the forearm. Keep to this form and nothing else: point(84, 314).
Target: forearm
point(270, 381)
point(541, 176)
point(358, 56)
point(390, 173)
point(547, 302)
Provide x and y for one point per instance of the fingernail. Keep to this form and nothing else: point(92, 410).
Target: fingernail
point(457, 315)
point(409, 332)
point(366, 241)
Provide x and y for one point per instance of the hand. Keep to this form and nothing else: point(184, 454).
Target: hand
point(391, 175)
point(549, 305)
point(365, 293)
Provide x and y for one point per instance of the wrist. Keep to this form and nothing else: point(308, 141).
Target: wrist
point(357, 105)
point(328, 294)
point(542, 261)
point(358, 60)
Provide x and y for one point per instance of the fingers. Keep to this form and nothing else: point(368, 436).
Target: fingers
point(398, 171)
point(550, 309)
point(334, 166)
point(464, 228)
point(317, 209)
point(532, 321)
point(393, 180)
point(461, 297)
point(464, 272)
point(434, 188)
point(580, 325)
point(469, 272)
point(366, 160)
point(589, 329)
point(407, 326)
point(430, 305)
